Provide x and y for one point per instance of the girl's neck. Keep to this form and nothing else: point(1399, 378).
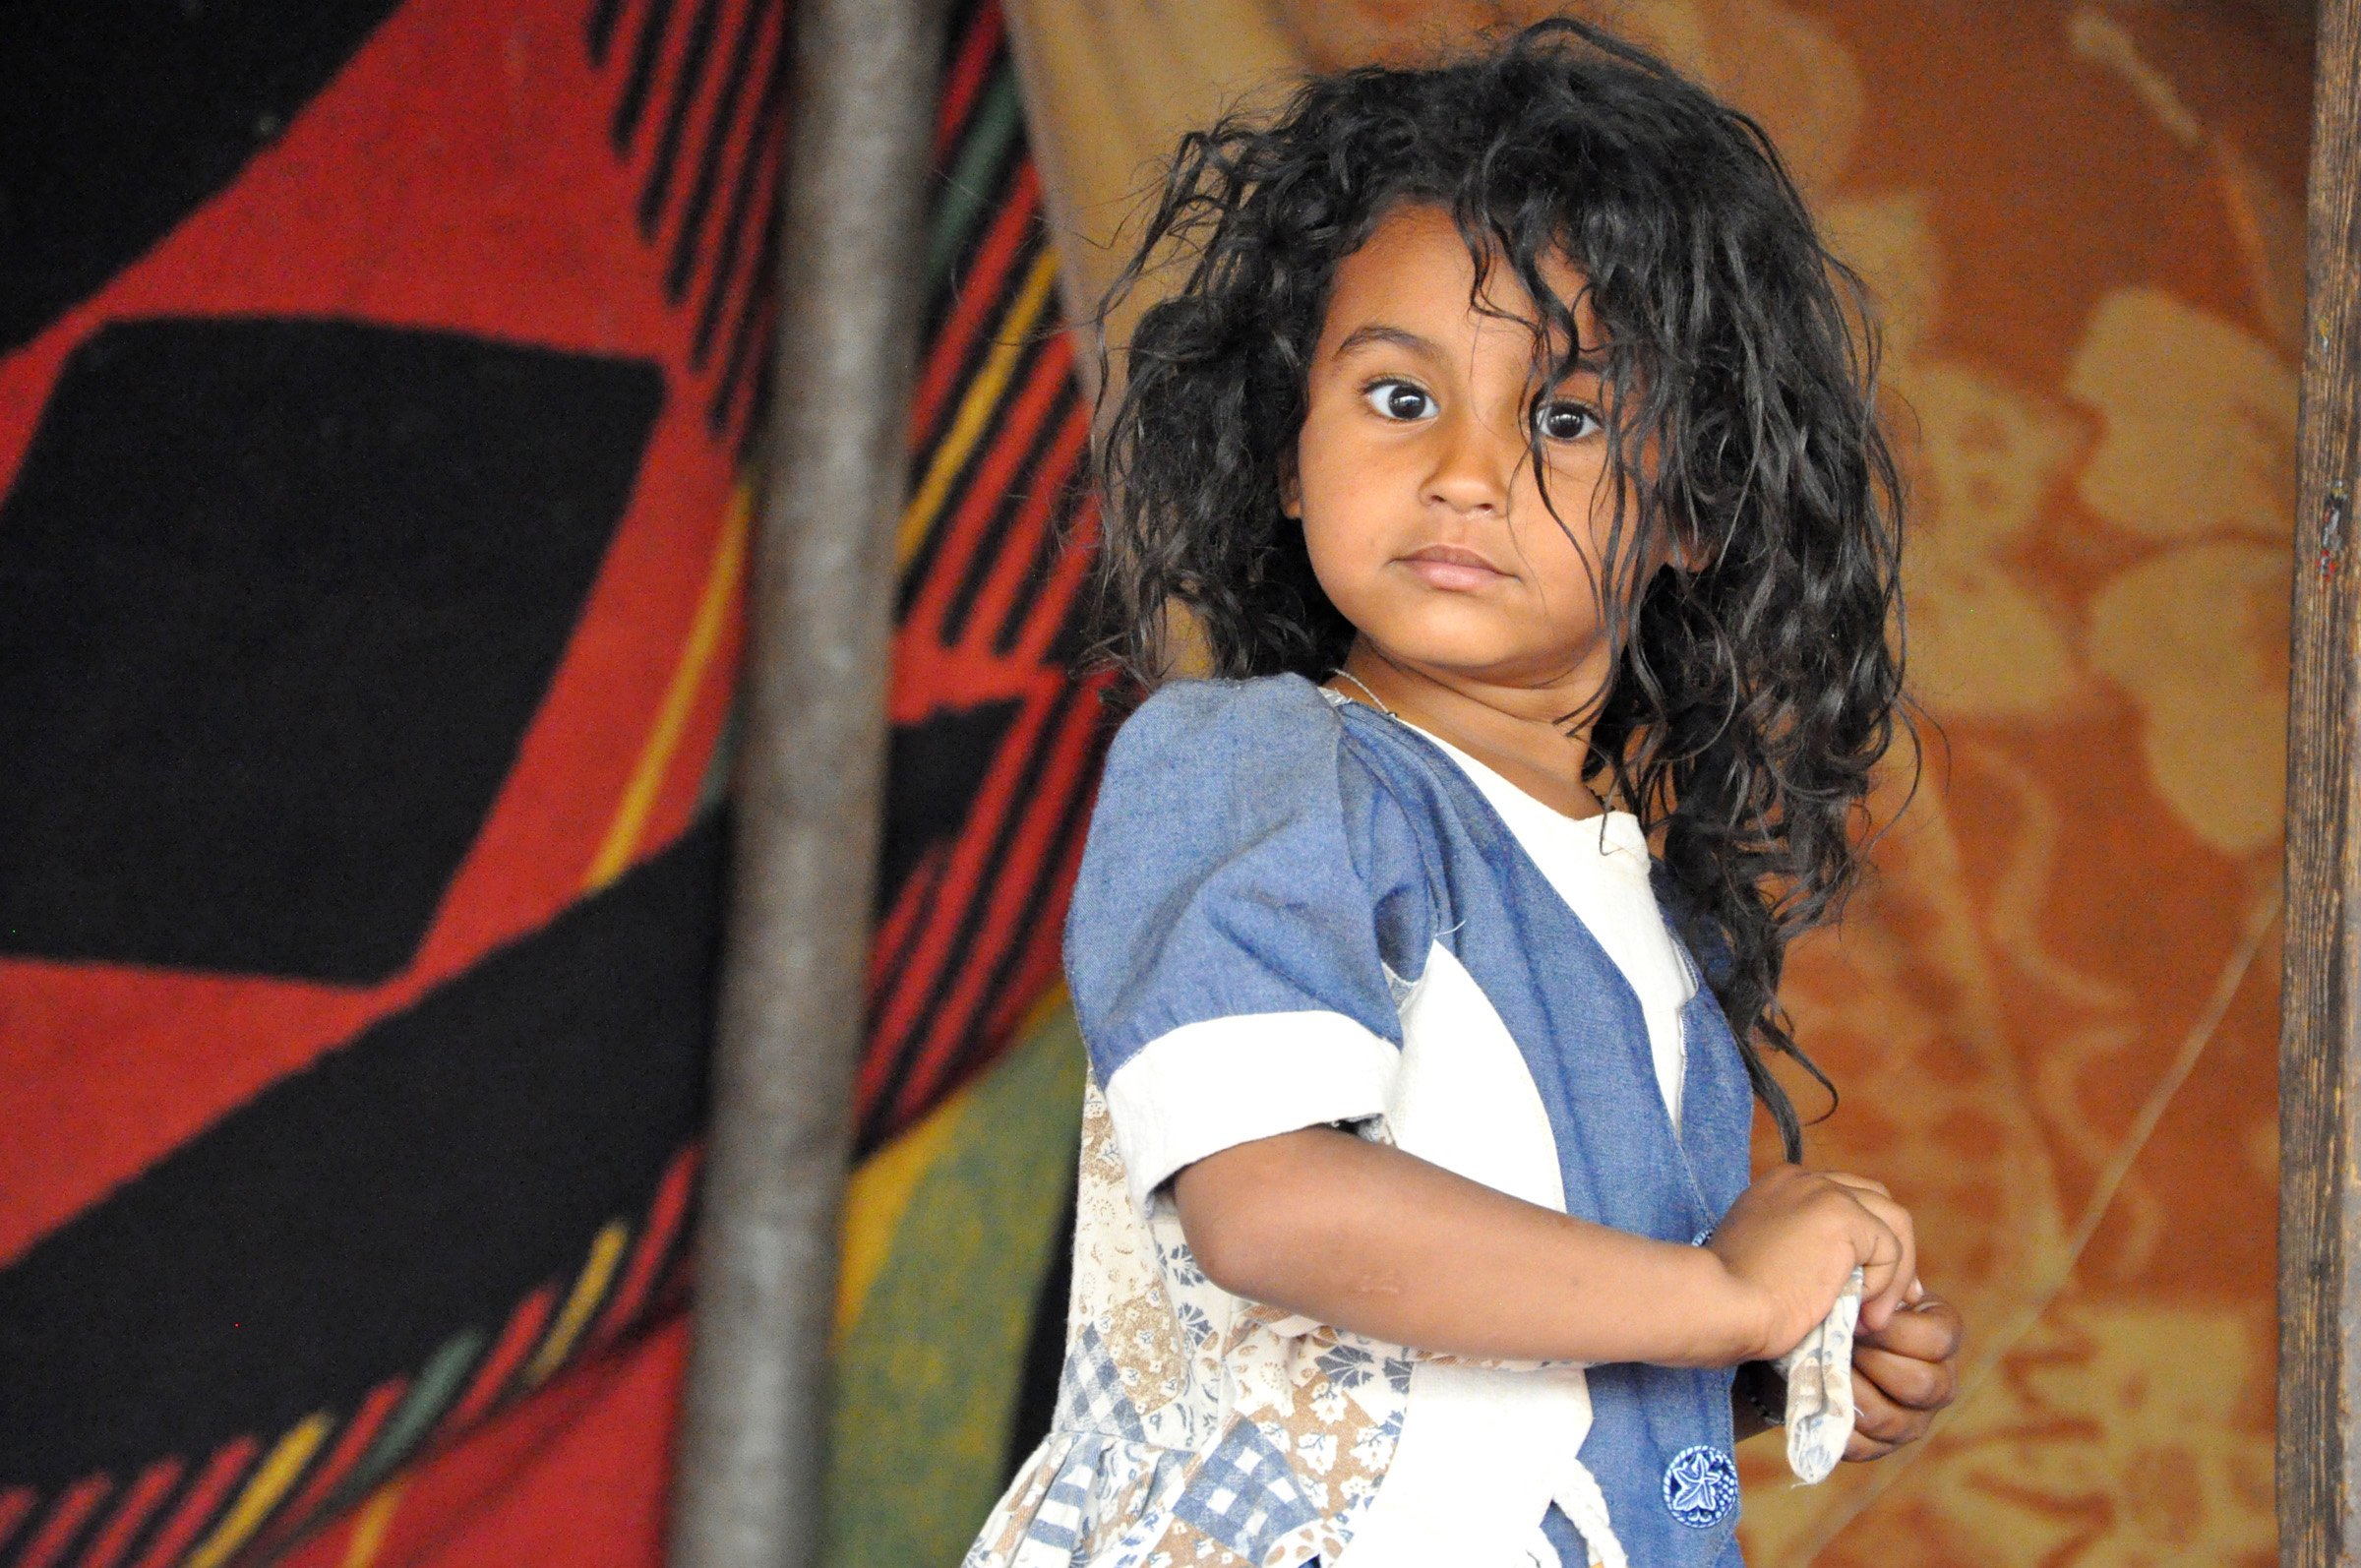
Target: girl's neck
point(1516, 732)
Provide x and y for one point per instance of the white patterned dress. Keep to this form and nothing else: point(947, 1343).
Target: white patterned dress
point(1258, 945)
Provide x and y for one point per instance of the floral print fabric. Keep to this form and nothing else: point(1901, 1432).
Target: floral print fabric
point(1192, 1427)
point(1819, 1374)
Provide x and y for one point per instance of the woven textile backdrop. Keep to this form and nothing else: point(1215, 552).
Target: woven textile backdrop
point(374, 377)
point(2054, 1020)
point(374, 382)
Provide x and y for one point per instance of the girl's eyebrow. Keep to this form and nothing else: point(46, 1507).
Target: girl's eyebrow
point(1589, 362)
point(1372, 332)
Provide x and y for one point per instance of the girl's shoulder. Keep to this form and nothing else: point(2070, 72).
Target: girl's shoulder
point(1240, 861)
point(1232, 761)
point(1214, 748)
point(1214, 724)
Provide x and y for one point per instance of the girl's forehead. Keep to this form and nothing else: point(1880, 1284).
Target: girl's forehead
point(1415, 262)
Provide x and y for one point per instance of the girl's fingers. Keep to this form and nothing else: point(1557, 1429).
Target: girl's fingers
point(1859, 1449)
point(1859, 1183)
point(1885, 1257)
point(1930, 1331)
point(1881, 1252)
point(1880, 1296)
point(1903, 1380)
point(1880, 1420)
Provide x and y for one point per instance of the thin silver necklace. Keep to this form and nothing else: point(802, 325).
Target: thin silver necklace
point(1347, 674)
point(1379, 702)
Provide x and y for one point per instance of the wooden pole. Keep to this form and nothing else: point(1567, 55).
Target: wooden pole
point(810, 779)
point(2320, 1046)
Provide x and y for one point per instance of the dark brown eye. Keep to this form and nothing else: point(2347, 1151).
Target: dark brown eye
point(1559, 421)
point(1398, 400)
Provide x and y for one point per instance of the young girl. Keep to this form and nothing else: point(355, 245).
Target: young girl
point(1511, 446)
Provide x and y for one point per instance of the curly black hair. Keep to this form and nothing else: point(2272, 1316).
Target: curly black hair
point(1757, 681)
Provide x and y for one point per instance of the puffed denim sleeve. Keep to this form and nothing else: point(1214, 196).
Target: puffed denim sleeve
point(1249, 901)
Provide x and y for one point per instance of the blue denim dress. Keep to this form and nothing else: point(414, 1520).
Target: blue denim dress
point(1294, 913)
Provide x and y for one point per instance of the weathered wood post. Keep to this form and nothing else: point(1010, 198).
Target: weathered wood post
point(2320, 1048)
point(810, 776)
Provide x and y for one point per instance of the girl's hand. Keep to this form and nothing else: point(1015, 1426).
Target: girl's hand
point(1902, 1375)
point(1792, 1240)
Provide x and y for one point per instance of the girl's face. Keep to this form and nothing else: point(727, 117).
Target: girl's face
point(1413, 475)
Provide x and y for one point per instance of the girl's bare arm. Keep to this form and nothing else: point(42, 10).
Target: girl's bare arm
point(1371, 1238)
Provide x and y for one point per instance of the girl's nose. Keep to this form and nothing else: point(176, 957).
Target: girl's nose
point(1474, 465)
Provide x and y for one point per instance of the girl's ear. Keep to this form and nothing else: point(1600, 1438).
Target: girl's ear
point(1291, 487)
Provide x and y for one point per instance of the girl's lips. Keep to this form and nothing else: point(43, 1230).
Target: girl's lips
point(1442, 566)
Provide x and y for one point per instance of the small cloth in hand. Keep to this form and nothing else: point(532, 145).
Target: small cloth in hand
point(1819, 1374)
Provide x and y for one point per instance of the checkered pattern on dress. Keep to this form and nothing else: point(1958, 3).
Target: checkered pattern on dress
point(1090, 1394)
point(1244, 1495)
point(1064, 1514)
